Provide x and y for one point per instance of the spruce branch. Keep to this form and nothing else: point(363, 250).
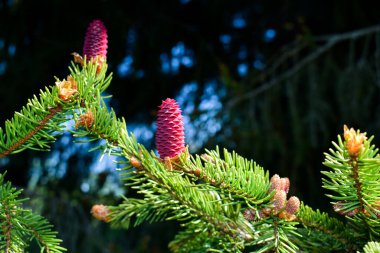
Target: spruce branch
point(233, 174)
point(372, 247)
point(327, 232)
point(35, 126)
point(198, 203)
point(41, 120)
point(19, 226)
point(354, 180)
point(275, 235)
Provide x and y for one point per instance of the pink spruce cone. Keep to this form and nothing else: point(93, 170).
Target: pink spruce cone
point(95, 42)
point(170, 137)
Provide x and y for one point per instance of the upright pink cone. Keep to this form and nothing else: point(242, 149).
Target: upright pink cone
point(170, 137)
point(95, 42)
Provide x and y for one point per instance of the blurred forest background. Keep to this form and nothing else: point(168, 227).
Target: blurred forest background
point(273, 80)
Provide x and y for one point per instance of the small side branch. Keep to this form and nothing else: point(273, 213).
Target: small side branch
point(329, 41)
point(53, 111)
point(7, 229)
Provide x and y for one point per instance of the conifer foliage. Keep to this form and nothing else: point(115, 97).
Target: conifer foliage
point(224, 202)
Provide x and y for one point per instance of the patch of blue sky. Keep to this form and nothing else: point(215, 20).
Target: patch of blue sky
point(125, 68)
point(140, 73)
point(258, 64)
point(165, 63)
point(238, 21)
point(175, 64)
point(3, 67)
point(269, 35)
point(12, 50)
point(242, 69)
point(144, 133)
point(187, 61)
point(178, 50)
point(198, 130)
point(243, 53)
point(179, 56)
point(131, 38)
point(225, 38)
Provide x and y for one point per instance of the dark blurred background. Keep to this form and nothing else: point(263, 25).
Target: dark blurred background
point(273, 80)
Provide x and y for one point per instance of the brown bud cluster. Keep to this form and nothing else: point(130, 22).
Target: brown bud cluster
point(85, 120)
point(277, 183)
point(67, 88)
point(279, 201)
point(101, 212)
point(292, 206)
point(281, 206)
point(354, 141)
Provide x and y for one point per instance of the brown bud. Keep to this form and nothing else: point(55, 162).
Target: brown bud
point(197, 172)
point(85, 120)
point(67, 88)
point(101, 212)
point(266, 211)
point(293, 205)
point(376, 208)
point(279, 200)
point(338, 208)
point(275, 183)
point(285, 184)
point(287, 216)
point(78, 58)
point(135, 162)
point(262, 214)
point(249, 214)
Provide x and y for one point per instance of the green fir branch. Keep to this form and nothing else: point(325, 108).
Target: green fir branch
point(354, 180)
point(19, 226)
point(38, 124)
point(372, 247)
point(276, 235)
point(202, 237)
point(35, 126)
point(324, 233)
point(234, 175)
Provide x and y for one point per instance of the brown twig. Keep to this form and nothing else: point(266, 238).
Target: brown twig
point(53, 111)
point(330, 41)
point(8, 229)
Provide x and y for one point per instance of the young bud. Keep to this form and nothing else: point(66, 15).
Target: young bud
point(85, 120)
point(135, 163)
point(67, 88)
point(275, 183)
point(170, 137)
point(354, 141)
point(249, 214)
point(293, 205)
point(279, 201)
point(100, 212)
point(287, 216)
point(278, 183)
point(285, 184)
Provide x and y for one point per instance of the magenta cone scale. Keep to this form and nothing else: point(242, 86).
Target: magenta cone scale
point(95, 42)
point(170, 137)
